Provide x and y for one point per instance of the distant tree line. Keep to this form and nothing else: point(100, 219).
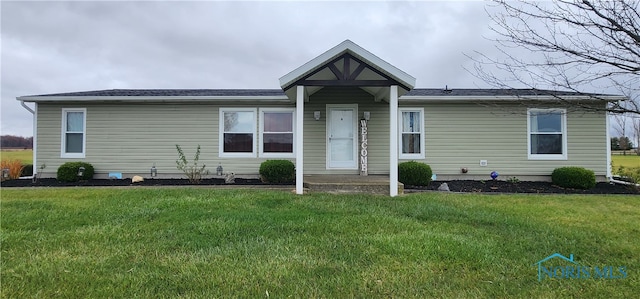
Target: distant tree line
point(621, 143)
point(10, 141)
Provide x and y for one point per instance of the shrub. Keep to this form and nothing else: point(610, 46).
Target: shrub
point(629, 174)
point(27, 170)
point(277, 171)
point(414, 173)
point(68, 172)
point(194, 172)
point(574, 177)
point(14, 166)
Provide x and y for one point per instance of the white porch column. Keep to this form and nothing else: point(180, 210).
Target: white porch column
point(393, 140)
point(608, 142)
point(299, 138)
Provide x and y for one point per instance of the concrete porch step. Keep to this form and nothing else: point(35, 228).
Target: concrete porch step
point(372, 184)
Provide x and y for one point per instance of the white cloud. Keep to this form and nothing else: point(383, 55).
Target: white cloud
point(50, 47)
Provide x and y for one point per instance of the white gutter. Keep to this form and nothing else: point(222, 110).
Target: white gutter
point(281, 98)
point(26, 107)
point(406, 98)
point(35, 135)
point(623, 182)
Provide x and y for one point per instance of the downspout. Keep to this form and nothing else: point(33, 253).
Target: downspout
point(27, 107)
point(35, 131)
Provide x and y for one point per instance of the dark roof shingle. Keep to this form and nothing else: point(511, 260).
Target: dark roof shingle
point(490, 92)
point(168, 93)
point(420, 92)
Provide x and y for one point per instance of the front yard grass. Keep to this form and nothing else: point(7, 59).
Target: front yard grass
point(207, 243)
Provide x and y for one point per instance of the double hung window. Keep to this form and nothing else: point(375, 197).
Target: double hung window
point(237, 136)
point(240, 135)
point(276, 131)
point(411, 133)
point(547, 136)
point(73, 133)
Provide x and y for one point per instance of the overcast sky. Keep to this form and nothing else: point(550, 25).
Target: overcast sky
point(50, 47)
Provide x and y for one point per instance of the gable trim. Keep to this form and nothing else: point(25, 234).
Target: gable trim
point(357, 52)
point(346, 77)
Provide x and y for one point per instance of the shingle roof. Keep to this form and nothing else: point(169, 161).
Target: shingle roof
point(278, 92)
point(489, 92)
point(168, 93)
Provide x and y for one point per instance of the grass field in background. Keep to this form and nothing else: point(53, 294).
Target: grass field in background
point(25, 156)
point(206, 243)
point(630, 160)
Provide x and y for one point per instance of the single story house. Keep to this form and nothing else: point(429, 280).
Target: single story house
point(314, 120)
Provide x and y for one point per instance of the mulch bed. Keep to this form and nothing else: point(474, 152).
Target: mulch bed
point(50, 182)
point(489, 186)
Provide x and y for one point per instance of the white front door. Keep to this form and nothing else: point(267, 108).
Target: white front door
point(341, 137)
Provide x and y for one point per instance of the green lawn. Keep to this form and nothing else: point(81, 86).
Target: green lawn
point(26, 156)
point(630, 160)
point(207, 243)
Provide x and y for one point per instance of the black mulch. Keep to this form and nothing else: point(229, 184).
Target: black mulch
point(491, 186)
point(488, 186)
point(50, 182)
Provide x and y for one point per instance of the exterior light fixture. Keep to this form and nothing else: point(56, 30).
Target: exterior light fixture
point(154, 171)
point(367, 115)
point(219, 169)
point(316, 115)
point(5, 173)
point(81, 171)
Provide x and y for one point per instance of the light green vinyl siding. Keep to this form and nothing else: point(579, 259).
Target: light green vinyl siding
point(460, 135)
point(130, 138)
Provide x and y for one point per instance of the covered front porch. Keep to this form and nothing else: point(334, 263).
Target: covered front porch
point(345, 67)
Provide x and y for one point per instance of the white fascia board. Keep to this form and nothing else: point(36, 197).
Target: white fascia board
point(509, 98)
point(358, 52)
point(282, 98)
point(385, 67)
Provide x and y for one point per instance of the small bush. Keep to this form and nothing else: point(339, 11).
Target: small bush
point(14, 166)
point(194, 172)
point(574, 177)
point(277, 171)
point(27, 170)
point(68, 172)
point(414, 173)
point(629, 174)
point(513, 180)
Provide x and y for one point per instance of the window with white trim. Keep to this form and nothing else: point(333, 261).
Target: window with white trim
point(237, 132)
point(73, 141)
point(411, 126)
point(547, 134)
point(276, 132)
